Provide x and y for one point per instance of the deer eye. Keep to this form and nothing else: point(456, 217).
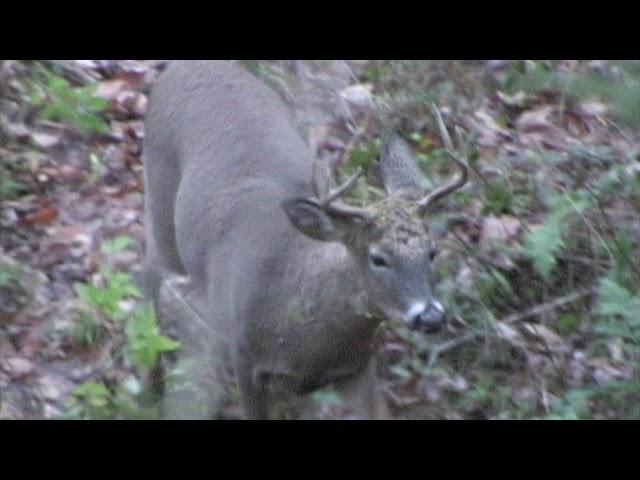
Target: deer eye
point(378, 260)
point(432, 253)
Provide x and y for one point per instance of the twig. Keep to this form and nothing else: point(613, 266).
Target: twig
point(509, 319)
point(397, 401)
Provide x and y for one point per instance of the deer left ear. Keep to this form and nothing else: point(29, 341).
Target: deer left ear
point(398, 169)
point(311, 219)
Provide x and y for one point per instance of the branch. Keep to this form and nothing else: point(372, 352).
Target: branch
point(510, 319)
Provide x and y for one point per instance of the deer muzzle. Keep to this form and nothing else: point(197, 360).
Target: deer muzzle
point(429, 317)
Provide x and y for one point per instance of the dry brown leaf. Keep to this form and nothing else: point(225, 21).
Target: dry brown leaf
point(604, 372)
point(536, 120)
point(590, 109)
point(110, 89)
point(508, 333)
point(359, 95)
point(52, 387)
point(544, 335)
point(43, 216)
point(491, 134)
point(14, 130)
point(139, 107)
point(502, 229)
point(45, 140)
point(17, 367)
point(71, 174)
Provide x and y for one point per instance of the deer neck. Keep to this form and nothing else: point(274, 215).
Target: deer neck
point(331, 289)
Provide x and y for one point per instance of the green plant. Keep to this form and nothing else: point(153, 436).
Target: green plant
point(8, 276)
point(545, 243)
point(142, 344)
point(623, 93)
point(88, 330)
point(58, 100)
point(499, 198)
point(119, 287)
point(145, 344)
point(362, 157)
point(90, 400)
point(9, 188)
point(327, 396)
point(95, 401)
point(575, 405)
point(618, 320)
point(117, 244)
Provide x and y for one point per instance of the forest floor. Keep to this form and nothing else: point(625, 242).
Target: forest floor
point(539, 264)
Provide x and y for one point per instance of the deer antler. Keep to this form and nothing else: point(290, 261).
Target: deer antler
point(322, 182)
point(457, 182)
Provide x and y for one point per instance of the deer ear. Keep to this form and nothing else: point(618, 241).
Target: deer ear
point(311, 219)
point(399, 170)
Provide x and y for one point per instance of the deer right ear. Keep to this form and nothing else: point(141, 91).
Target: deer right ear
point(399, 170)
point(311, 219)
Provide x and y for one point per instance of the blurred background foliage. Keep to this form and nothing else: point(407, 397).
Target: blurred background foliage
point(540, 252)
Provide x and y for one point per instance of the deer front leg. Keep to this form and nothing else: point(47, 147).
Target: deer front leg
point(362, 396)
point(254, 396)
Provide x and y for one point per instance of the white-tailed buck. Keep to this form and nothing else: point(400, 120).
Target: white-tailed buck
point(297, 279)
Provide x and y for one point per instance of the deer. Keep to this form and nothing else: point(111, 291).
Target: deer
point(297, 279)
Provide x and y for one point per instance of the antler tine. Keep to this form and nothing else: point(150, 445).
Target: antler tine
point(322, 181)
point(457, 182)
point(342, 189)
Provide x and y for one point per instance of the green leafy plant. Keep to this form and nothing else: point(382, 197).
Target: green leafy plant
point(9, 188)
point(544, 244)
point(117, 244)
point(327, 396)
point(623, 93)
point(8, 276)
point(91, 400)
point(499, 198)
point(119, 287)
point(573, 406)
point(58, 100)
point(88, 330)
point(362, 157)
point(145, 344)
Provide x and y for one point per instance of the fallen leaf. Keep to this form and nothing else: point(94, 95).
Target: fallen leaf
point(550, 339)
point(110, 89)
point(17, 367)
point(536, 120)
point(465, 277)
point(139, 108)
point(590, 109)
point(518, 99)
point(491, 134)
point(15, 130)
point(508, 333)
point(71, 174)
point(359, 95)
point(45, 140)
point(52, 388)
point(604, 372)
point(43, 216)
point(452, 383)
point(502, 229)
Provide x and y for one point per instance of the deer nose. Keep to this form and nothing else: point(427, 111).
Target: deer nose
point(430, 318)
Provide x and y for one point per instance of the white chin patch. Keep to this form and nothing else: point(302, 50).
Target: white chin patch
point(415, 309)
point(438, 306)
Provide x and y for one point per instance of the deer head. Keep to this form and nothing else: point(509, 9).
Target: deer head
point(389, 240)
